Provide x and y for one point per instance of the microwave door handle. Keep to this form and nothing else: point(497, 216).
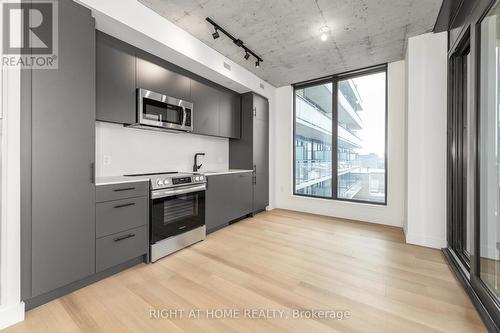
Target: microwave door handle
point(184, 115)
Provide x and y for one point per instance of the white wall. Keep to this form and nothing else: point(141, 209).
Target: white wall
point(136, 151)
point(11, 306)
point(426, 123)
point(393, 213)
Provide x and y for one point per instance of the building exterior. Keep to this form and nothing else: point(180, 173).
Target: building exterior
point(359, 176)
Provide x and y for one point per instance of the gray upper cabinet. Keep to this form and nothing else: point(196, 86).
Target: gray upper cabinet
point(62, 156)
point(154, 77)
point(205, 108)
point(122, 68)
point(115, 82)
point(217, 112)
point(229, 115)
point(252, 150)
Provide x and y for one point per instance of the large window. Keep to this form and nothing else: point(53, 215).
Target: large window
point(345, 114)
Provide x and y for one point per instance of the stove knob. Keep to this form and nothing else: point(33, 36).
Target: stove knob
point(197, 179)
point(160, 182)
point(201, 177)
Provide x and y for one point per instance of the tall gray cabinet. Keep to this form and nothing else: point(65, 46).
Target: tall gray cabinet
point(252, 150)
point(58, 192)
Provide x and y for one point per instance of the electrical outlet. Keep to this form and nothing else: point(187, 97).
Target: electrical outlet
point(106, 160)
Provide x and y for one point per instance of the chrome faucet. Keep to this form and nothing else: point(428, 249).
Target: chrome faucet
point(197, 167)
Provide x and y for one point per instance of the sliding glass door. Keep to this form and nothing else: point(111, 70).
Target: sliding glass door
point(340, 137)
point(461, 141)
point(489, 153)
point(474, 159)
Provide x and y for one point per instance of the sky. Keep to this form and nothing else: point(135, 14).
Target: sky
point(371, 89)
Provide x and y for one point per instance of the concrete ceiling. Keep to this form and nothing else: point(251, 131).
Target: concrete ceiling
point(286, 33)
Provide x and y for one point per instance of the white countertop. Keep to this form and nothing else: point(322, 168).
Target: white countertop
point(223, 172)
point(122, 179)
point(119, 180)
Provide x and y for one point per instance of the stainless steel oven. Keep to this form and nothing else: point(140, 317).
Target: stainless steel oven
point(157, 111)
point(177, 215)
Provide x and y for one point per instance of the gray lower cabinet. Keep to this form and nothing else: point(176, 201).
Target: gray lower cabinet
point(121, 191)
point(122, 219)
point(59, 233)
point(119, 215)
point(228, 197)
point(252, 150)
point(120, 247)
point(115, 81)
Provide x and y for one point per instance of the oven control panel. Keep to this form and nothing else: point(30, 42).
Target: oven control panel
point(179, 181)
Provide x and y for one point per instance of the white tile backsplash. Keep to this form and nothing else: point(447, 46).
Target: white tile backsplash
point(121, 150)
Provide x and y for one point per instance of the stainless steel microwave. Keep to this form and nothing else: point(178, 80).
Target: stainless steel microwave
point(157, 111)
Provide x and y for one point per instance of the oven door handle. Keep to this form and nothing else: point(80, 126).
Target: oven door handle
point(176, 191)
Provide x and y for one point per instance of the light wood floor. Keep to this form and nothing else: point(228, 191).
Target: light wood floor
point(276, 260)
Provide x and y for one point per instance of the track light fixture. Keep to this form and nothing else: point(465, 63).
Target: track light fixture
point(215, 35)
point(238, 42)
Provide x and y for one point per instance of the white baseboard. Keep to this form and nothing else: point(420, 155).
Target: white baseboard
point(421, 240)
point(11, 314)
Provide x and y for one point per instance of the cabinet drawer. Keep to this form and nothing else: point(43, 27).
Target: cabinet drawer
point(119, 215)
point(120, 247)
point(121, 191)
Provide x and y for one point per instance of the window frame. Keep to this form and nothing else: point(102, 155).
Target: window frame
point(334, 79)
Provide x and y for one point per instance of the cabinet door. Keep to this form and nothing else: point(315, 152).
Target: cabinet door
point(115, 81)
point(156, 78)
point(261, 152)
point(215, 216)
point(63, 150)
point(205, 108)
point(230, 115)
point(229, 197)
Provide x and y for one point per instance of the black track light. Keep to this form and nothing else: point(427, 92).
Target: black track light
point(238, 42)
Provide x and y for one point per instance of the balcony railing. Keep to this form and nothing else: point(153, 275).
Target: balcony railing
point(311, 115)
point(310, 172)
